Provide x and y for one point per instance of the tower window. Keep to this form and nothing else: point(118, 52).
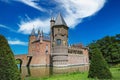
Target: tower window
point(58, 42)
point(58, 29)
point(46, 48)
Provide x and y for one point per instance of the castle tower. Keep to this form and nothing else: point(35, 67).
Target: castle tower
point(32, 38)
point(59, 42)
point(52, 22)
point(39, 34)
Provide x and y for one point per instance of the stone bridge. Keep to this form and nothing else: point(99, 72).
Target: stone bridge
point(24, 59)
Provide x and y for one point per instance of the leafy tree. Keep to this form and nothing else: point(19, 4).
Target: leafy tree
point(8, 67)
point(98, 65)
point(110, 48)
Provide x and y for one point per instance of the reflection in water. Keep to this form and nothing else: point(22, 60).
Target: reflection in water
point(47, 71)
point(35, 71)
point(29, 73)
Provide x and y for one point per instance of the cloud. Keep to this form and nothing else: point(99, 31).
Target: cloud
point(17, 42)
point(74, 13)
point(26, 27)
point(4, 26)
point(76, 10)
point(32, 3)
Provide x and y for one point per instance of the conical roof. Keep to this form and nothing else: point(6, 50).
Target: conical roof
point(59, 20)
point(39, 33)
point(33, 32)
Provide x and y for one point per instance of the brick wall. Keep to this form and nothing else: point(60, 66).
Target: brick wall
point(77, 59)
point(23, 58)
point(41, 54)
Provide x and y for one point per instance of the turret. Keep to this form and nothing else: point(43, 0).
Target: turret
point(59, 32)
point(52, 22)
point(59, 42)
point(41, 36)
point(32, 38)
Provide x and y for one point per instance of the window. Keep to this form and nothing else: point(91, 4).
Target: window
point(46, 48)
point(58, 30)
point(58, 42)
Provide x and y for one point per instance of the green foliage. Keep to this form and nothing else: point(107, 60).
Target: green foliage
point(110, 48)
point(115, 73)
point(98, 65)
point(8, 67)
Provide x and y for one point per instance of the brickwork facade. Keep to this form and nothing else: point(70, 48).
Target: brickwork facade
point(53, 49)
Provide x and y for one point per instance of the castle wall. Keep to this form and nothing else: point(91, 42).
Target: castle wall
point(78, 56)
point(41, 54)
point(77, 59)
point(41, 60)
point(55, 51)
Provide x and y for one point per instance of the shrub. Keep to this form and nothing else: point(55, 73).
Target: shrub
point(98, 66)
point(8, 67)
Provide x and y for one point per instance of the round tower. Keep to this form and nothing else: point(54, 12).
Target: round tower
point(59, 42)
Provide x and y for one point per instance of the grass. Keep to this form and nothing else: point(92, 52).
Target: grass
point(115, 73)
point(77, 76)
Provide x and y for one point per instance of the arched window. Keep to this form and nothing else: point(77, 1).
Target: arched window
point(58, 42)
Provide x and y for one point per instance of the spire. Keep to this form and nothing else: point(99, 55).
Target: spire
point(42, 33)
point(41, 36)
point(52, 22)
point(33, 32)
point(59, 20)
point(39, 32)
point(38, 37)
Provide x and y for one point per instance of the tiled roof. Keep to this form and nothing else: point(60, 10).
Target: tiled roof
point(59, 20)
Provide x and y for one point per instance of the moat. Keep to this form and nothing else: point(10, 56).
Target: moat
point(48, 71)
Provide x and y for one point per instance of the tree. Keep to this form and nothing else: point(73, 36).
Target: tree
point(98, 66)
point(110, 48)
point(8, 67)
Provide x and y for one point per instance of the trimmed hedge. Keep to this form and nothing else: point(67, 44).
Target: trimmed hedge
point(98, 66)
point(8, 67)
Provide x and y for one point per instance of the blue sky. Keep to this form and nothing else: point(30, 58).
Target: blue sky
point(87, 20)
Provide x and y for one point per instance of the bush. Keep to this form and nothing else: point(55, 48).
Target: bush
point(8, 67)
point(98, 66)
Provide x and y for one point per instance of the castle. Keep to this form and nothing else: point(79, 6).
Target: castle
point(53, 49)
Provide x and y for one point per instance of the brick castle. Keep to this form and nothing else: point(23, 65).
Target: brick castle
point(53, 49)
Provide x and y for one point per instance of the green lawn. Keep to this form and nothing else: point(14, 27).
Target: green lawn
point(77, 76)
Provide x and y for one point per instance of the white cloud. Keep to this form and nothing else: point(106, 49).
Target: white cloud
point(74, 12)
point(26, 27)
point(32, 3)
point(4, 26)
point(17, 42)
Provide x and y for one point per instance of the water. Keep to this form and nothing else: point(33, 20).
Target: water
point(48, 71)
